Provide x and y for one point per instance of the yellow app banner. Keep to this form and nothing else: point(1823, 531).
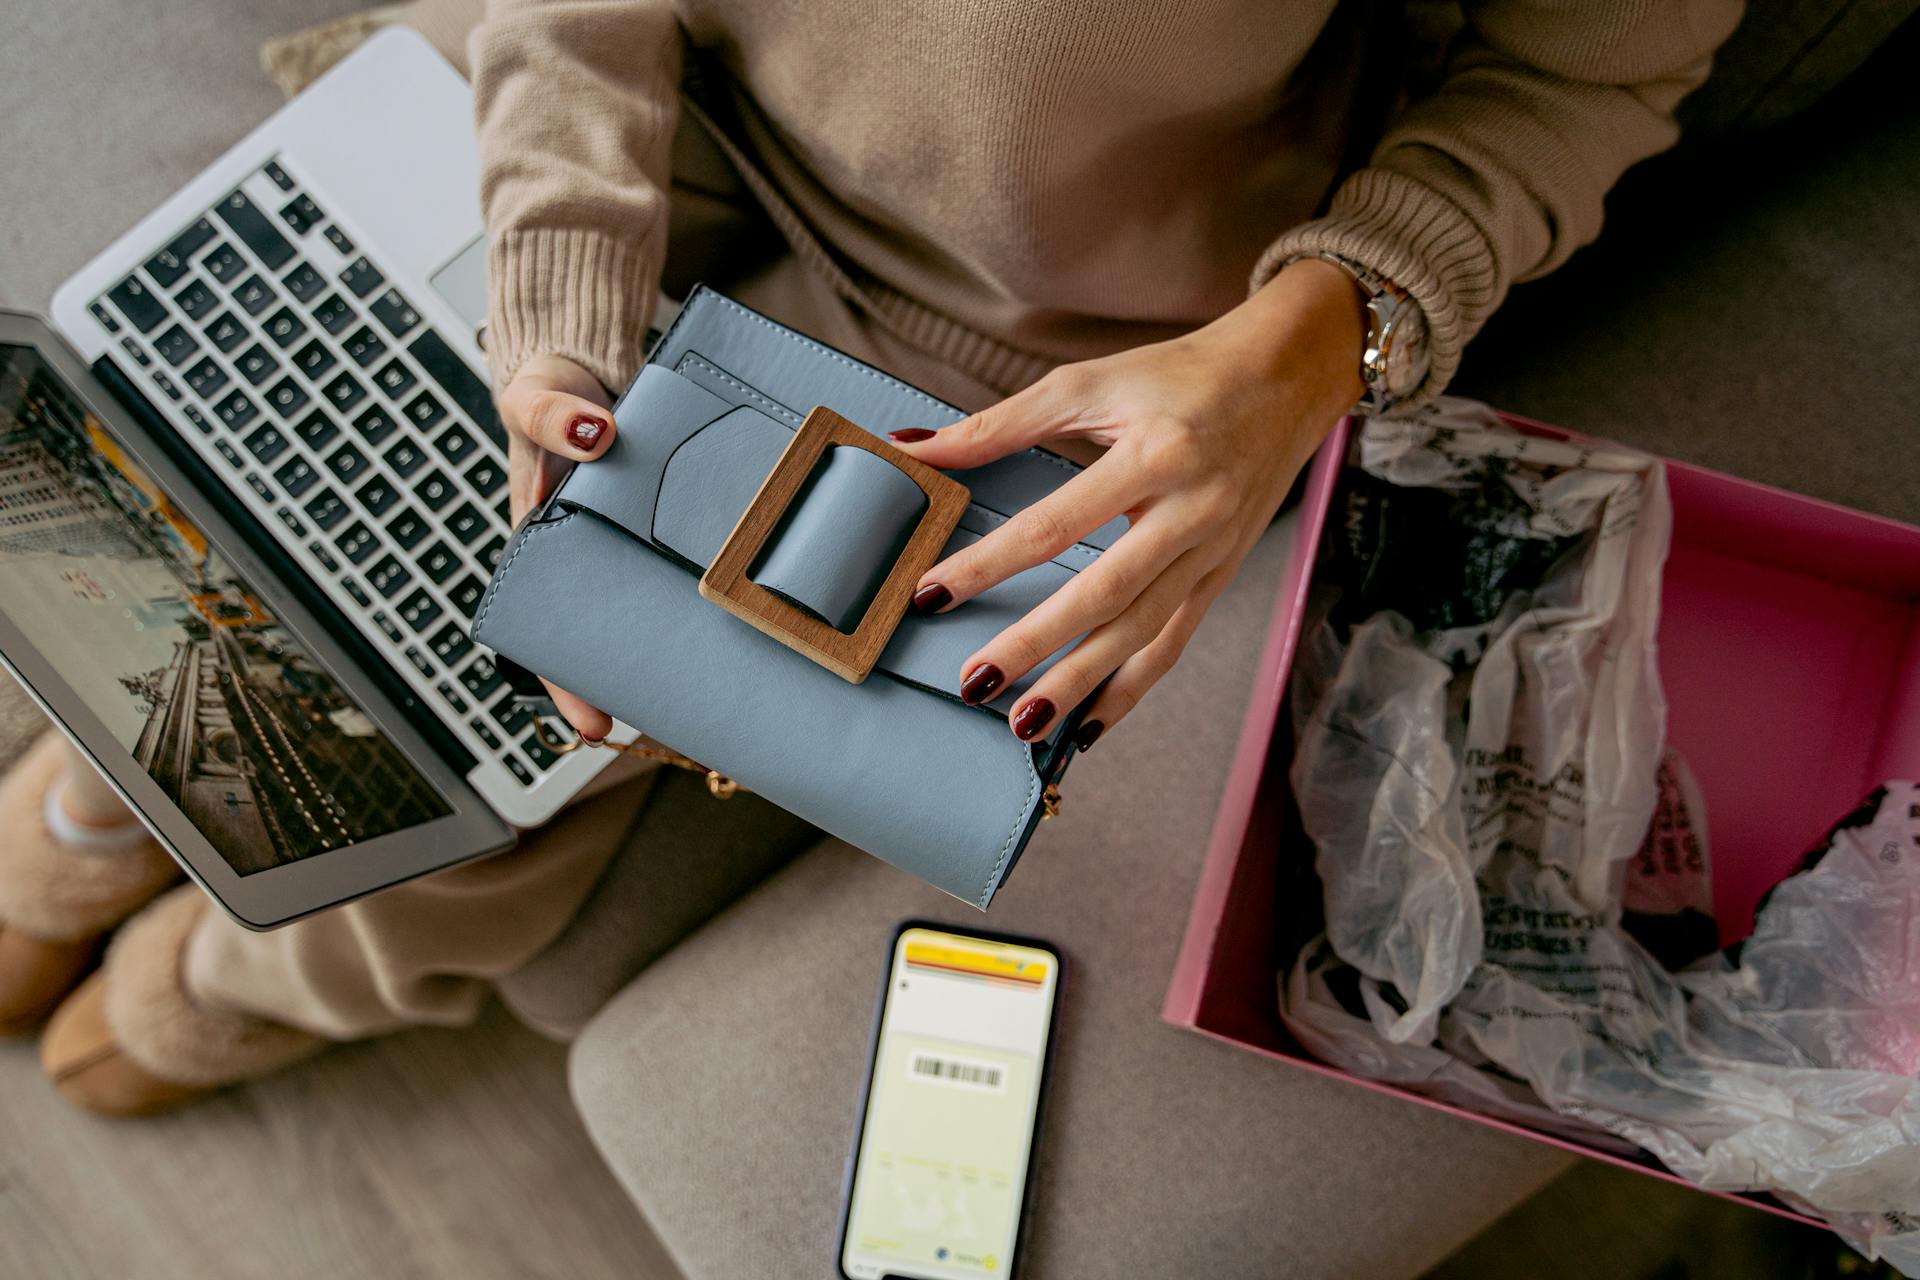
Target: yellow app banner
point(957, 955)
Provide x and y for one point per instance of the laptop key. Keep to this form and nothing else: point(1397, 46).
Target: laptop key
point(301, 213)
point(378, 495)
point(461, 384)
point(296, 476)
point(293, 522)
point(104, 316)
point(486, 477)
point(265, 442)
point(435, 490)
point(394, 312)
point(315, 430)
point(231, 454)
point(170, 263)
point(226, 333)
point(388, 627)
point(280, 179)
point(538, 751)
point(287, 397)
point(256, 364)
point(334, 313)
point(389, 576)
point(465, 595)
point(420, 663)
point(466, 523)
point(326, 509)
point(314, 359)
point(258, 234)
point(424, 410)
point(253, 295)
point(455, 445)
point(166, 385)
point(510, 715)
point(137, 304)
point(364, 346)
point(223, 264)
point(304, 283)
point(236, 410)
point(196, 300)
point(136, 352)
point(454, 700)
point(405, 458)
point(519, 770)
point(259, 486)
point(489, 555)
point(450, 643)
point(198, 419)
point(438, 562)
point(205, 378)
point(394, 378)
point(420, 610)
point(338, 239)
point(346, 462)
point(487, 735)
point(324, 556)
point(344, 392)
point(362, 278)
point(480, 678)
point(375, 425)
point(357, 542)
point(354, 589)
point(285, 327)
point(408, 529)
point(175, 345)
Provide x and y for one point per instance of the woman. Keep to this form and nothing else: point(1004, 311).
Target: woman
point(1168, 239)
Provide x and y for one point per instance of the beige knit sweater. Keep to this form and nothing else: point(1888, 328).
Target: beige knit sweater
point(1011, 184)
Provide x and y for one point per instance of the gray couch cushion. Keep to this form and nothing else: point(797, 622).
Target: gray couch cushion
point(687, 856)
point(721, 1085)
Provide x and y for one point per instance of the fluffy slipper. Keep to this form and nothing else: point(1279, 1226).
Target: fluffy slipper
point(56, 892)
point(135, 1019)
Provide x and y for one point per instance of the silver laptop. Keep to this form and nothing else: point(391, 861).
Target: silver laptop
point(270, 492)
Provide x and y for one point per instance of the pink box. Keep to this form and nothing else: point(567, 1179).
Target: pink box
point(1790, 651)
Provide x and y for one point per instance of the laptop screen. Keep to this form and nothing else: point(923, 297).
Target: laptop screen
point(174, 651)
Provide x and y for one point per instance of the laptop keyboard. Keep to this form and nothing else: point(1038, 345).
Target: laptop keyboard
point(338, 415)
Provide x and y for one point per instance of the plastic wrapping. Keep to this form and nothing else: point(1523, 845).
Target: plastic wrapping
point(1479, 737)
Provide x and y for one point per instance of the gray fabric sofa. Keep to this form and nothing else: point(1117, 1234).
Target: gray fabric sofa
point(721, 996)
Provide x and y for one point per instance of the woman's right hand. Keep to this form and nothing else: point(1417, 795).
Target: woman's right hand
point(556, 414)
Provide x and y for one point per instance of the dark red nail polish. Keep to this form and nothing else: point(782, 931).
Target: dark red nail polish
point(910, 435)
point(1089, 733)
point(1030, 720)
point(585, 431)
point(931, 598)
point(981, 683)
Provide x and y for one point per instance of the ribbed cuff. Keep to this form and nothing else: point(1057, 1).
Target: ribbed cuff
point(573, 293)
point(1419, 240)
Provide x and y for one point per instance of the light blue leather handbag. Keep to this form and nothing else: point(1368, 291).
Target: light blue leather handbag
point(724, 601)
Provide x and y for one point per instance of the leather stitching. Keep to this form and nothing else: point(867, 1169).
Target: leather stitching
point(499, 577)
point(694, 358)
point(1019, 824)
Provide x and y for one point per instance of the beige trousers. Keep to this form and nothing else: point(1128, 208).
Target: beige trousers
point(428, 951)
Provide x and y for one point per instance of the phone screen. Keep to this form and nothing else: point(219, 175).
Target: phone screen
point(940, 1170)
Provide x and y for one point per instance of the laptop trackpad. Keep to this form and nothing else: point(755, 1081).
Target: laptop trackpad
point(463, 282)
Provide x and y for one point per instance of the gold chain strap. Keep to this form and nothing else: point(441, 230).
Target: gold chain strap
point(718, 784)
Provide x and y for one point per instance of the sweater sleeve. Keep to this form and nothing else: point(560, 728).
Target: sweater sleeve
point(576, 103)
point(1500, 173)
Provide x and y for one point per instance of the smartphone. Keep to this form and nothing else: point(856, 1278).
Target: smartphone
point(942, 1156)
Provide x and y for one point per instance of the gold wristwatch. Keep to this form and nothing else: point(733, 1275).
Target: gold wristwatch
point(1396, 358)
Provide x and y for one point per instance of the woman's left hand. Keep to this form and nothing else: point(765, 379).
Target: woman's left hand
point(1204, 434)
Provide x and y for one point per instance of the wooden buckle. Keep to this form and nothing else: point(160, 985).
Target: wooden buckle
point(849, 656)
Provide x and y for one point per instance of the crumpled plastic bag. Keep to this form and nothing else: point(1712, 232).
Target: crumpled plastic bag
point(1478, 728)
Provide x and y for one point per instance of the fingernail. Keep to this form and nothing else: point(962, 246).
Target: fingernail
point(981, 683)
point(592, 742)
point(1090, 731)
point(931, 598)
point(584, 431)
point(1029, 720)
point(910, 435)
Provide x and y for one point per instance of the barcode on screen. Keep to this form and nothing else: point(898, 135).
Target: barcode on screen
point(933, 1068)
